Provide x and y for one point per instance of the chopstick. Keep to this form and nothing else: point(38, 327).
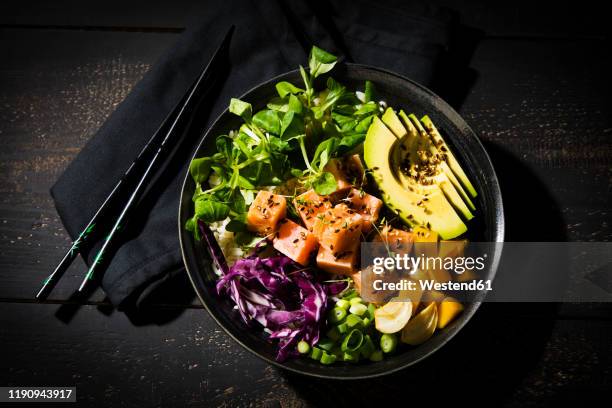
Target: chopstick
point(161, 148)
point(84, 236)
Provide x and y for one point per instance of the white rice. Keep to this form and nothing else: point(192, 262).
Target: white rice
point(226, 242)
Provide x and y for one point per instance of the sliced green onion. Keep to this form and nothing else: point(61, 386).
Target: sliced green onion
point(336, 315)
point(350, 294)
point(303, 347)
point(388, 343)
point(342, 328)
point(367, 347)
point(350, 356)
point(371, 310)
point(366, 321)
point(352, 341)
point(315, 353)
point(353, 321)
point(359, 309)
point(326, 344)
point(356, 300)
point(376, 356)
point(327, 358)
point(343, 304)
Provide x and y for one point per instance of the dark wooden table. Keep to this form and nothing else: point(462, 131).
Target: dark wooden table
point(540, 102)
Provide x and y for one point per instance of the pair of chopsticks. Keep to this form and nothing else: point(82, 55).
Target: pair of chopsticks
point(139, 175)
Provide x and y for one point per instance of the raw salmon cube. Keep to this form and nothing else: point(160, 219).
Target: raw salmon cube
point(295, 241)
point(338, 229)
point(265, 212)
point(365, 205)
point(398, 241)
point(343, 263)
point(309, 205)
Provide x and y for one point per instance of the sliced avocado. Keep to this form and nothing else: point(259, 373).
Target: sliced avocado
point(434, 150)
point(452, 161)
point(408, 146)
point(430, 210)
point(390, 119)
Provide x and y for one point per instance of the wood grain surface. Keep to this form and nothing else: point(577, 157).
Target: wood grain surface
point(539, 102)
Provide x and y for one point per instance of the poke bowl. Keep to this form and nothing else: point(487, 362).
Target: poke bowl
point(272, 251)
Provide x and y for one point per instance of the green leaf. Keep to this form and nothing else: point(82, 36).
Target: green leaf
point(220, 170)
point(324, 150)
point(279, 146)
point(244, 144)
point(241, 108)
point(297, 172)
point(345, 110)
point(336, 90)
point(325, 183)
point(246, 238)
point(286, 122)
point(367, 109)
point(295, 105)
point(190, 225)
point(268, 120)
point(333, 85)
point(200, 169)
point(236, 202)
point(319, 55)
point(279, 168)
point(236, 225)
point(364, 124)
point(292, 126)
point(255, 173)
point(345, 123)
point(245, 129)
point(305, 77)
point(209, 210)
point(285, 88)
point(279, 104)
point(198, 192)
point(349, 142)
point(243, 182)
point(224, 145)
point(320, 61)
point(350, 100)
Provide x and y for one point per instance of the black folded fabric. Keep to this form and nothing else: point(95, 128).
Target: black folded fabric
point(271, 37)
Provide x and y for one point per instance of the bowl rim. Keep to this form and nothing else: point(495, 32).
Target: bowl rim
point(498, 209)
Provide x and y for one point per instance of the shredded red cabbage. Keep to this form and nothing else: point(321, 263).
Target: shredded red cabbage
point(280, 296)
point(278, 293)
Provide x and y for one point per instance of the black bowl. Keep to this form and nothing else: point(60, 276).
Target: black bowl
point(397, 91)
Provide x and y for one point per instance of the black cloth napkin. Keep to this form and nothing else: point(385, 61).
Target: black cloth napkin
point(271, 37)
